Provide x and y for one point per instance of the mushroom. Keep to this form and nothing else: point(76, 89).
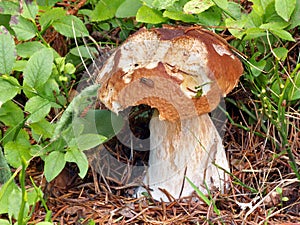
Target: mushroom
point(183, 73)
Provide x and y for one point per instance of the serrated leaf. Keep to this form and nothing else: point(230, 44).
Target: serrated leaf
point(197, 6)
point(75, 155)
point(8, 88)
point(23, 28)
point(30, 9)
point(15, 151)
point(27, 49)
point(88, 141)
point(38, 68)
point(105, 9)
point(11, 114)
point(149, 15)
point(7, 51)
point(285, 8)
point(54, 164)
point(128, 8)
point(178, 15)
point(38, 108)
point(282, 34)
point(70, 26)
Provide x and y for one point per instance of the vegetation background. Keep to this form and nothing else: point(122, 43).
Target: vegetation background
point(46, 46)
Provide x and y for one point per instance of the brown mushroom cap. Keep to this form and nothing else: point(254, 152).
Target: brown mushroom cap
point(180, 71)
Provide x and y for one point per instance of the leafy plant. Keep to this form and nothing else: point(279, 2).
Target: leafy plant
point(35, 82)
point(36, 79)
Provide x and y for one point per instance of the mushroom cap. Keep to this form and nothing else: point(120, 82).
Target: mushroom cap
point(181, 71)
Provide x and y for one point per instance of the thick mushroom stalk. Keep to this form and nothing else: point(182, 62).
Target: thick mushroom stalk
point(183, 73)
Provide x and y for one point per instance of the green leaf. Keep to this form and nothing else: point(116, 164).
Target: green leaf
point(30, 10)
point(149, 15)
point(5, 172)
point(253, 33)
point(274, 25)
point(128, 8)
point(197, 6)
point(5, 192)
point(223, 4)
point(50, 16)
point(257, 67)
point(294, 91)
point(11, 114)
point(295, 16)
point(178, 15)
point(15, 151)
point(259, 6)
point(285, 8)
point(280, 53)
point(4, 222)
point(107, 123)
point(38, 108)
point(105, 9)
point(23, 28)
point(85, 51)
point(54, 164)
point(73, 154)
point(70, 26)
point(46, 2)
point(42, 127)
point(38, 68)
point(210, 17)
point(44, 223)
point(32, 195)
point(88, 141)
point(282, 34)
point(9, 7)
point(236, 27)
point(20, 65)
point(235, 9)
point(163, 4)
point(27, 49)
point(9, 88)
point(13, 133)
point(15, 199)
point(7, 51)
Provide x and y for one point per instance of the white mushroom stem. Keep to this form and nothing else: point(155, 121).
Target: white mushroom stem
point(191, 148)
